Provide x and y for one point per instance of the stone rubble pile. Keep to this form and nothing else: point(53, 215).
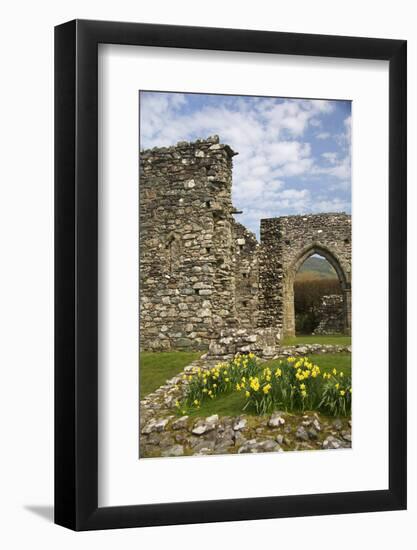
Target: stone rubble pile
point(278, 432)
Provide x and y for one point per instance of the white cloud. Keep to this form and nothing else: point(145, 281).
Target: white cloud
point(323, 135)
point(330, 157)
point(336, 168)
point(315, 122)
point(271, 137)
point(332, 205)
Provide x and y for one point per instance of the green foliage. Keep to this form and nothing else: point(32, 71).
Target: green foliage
point(336, 396)
point(207, 384)
point(157, 367)
point(294, 384)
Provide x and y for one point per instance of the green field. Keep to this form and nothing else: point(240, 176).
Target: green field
point(316, 267)
point(157, 367)
point(336, 339)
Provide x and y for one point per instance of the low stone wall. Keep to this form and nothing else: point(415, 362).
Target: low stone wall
point(263, 342)
point(311, 349)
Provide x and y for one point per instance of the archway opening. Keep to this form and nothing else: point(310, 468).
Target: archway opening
point(318, 298)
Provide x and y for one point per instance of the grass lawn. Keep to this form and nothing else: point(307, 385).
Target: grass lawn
point(157, 367)
point(309, 339)
point(231, 404)
point(226, 404)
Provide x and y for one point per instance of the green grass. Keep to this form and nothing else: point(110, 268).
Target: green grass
point(226, 404)
point(157, 367)
point(309, 339)
point(231, 404)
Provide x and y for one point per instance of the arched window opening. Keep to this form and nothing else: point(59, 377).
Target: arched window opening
point(173, 250)
point(318, 298)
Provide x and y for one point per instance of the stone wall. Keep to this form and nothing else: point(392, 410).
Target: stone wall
point(264, 342)
point(246, 276)
point(286, 242)
point(202, 274)
point(187, 267)
point(331, 315)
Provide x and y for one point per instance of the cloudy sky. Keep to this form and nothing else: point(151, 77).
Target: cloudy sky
point(294, 154)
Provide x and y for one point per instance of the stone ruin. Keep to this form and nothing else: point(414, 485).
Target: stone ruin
point(331, 315)
point(205, 280)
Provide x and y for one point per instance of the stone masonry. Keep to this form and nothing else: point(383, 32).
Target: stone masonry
point(187, 267)
point(203, 276)
point(286, 243)
point(331, 315)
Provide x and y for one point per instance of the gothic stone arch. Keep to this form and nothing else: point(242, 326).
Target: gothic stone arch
point(286, 243)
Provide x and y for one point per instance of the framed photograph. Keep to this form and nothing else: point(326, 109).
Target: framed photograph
point(230, 244)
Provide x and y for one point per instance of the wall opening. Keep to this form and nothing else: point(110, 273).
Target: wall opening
point(318, 298)
point(337, 305)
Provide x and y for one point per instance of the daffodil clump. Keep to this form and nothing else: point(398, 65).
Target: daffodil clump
point(222, 378)
point(294, 384)
point(336, 393)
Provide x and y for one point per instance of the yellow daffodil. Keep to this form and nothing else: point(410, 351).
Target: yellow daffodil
point(342, 393)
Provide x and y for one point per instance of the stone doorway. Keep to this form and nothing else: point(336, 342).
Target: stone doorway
point(289, 326)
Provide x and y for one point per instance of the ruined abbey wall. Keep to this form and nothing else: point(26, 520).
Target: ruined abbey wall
point(205, 281)
point(246, 276)
point(286, 243)
point(187, 267)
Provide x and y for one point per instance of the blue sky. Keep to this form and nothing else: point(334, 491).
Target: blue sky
point(294, 154)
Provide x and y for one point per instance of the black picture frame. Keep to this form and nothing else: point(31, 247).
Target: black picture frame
point(76, 272)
